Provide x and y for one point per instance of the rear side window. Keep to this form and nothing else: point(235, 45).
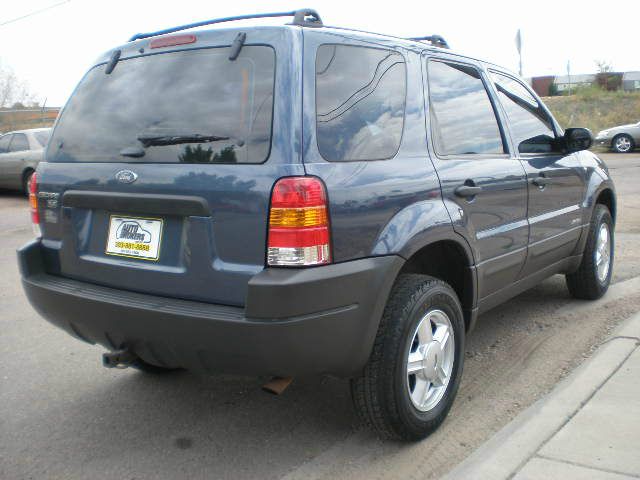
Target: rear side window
point(19, 143)
point(4, 143)
point(194, 106)
point(463, 120)
point(529, 123)
point(42, 137)
point(360, 102)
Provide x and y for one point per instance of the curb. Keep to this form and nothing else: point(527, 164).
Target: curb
point(502, 456)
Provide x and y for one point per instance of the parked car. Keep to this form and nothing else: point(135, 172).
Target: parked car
point(20, 153)
point(335, 202)
point(622, 139)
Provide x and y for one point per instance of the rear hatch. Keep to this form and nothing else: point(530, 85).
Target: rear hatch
point(158, 173)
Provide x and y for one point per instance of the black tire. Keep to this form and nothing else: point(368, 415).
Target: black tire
point(585, 283)
point(26, 179)
point(381, 393)
point(618, 148)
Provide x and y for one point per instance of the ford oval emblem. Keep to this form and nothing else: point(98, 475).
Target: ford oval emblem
point(126, 176)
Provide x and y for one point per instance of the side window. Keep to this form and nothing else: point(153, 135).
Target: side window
point(19, 143)
point(43, 137)
point(529, 123)
point(360, 102)
point(4, 143)
point(463, 120)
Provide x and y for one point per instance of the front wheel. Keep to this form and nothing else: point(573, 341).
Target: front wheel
point(413, 373)
point(622, 144)
point(593, 276)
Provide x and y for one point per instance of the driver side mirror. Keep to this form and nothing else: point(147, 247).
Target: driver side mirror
point(577, 139)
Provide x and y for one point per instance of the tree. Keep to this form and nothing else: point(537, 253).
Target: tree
point(13, 90)
point(606, 78)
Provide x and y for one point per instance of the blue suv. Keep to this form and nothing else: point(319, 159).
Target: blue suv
point(303, 199)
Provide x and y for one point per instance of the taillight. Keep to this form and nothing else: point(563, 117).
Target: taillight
point(33, 204)
point(298, 223)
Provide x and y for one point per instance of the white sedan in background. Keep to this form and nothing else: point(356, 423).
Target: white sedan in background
point(20, 153)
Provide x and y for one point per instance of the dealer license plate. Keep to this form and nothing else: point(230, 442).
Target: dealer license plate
point(134, 237)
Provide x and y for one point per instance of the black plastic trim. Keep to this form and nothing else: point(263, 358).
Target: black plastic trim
point(302, 321)
point(183, 205)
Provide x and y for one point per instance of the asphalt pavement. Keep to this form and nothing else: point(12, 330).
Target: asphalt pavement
point(63, 416)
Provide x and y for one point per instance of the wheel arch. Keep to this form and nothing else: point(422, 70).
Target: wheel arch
point(607, 197)
point(449, 260)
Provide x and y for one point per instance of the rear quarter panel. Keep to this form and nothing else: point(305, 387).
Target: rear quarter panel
point(378, 207)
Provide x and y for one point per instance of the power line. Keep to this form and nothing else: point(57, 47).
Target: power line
point(34, 13)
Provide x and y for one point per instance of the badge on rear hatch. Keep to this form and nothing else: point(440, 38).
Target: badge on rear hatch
point(134, 237)
point(126, 176)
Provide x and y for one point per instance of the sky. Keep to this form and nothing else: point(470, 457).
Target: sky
point(51, 50)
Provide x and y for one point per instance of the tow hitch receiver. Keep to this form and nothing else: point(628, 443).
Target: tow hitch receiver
point(118, 359)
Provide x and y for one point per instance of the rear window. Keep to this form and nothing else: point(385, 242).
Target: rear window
point(160, 104)
point(360, 102)
point(42, 137)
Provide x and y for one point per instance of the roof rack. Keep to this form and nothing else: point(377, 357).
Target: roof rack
point(436, 40)
point(305, 17)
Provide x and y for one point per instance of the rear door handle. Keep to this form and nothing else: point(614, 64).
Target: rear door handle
point(466, 191)
point(541, 181)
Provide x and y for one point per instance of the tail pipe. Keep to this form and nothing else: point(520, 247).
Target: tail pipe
point(119, 359)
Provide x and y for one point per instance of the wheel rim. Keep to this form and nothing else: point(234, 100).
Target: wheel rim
point(430, 360)
point(603, 252)
point(623, 144)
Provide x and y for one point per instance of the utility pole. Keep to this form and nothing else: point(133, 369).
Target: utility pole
point(569, 74)
point(519, 47)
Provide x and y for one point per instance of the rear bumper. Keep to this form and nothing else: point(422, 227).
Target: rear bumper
point(296, 321)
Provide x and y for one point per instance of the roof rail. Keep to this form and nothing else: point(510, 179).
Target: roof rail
point(305, 17)
point(436, 40)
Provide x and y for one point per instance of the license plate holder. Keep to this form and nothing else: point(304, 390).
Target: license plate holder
point(134, 237)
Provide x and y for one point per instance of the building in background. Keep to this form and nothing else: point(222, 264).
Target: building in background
point(542, 85)
point(564, 83)
point(550, 85)
point(631, 81)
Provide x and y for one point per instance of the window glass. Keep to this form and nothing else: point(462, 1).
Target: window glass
point(463, 120)
point(19, 143)
point(42, 137)
point(360, 102)
point(4, 143)
point(531, 127)
point(162, 101)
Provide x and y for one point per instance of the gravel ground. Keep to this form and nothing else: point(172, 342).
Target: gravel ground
point(66, 417)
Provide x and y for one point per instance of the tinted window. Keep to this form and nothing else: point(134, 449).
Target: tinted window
point(530, 125)
point(19, 143)
point(4, 143)
point(360, 99)
point(42, 137)
point(462, 118)
point(178, 94)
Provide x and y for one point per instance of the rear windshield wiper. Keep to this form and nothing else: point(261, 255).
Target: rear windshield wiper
point(158, 139)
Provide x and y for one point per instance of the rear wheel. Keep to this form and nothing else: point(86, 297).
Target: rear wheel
point(413, 373)
point(623, 143)
point(592, 278)
point(26, 181)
